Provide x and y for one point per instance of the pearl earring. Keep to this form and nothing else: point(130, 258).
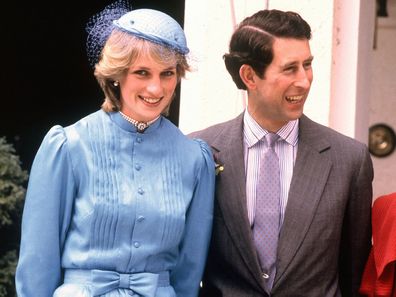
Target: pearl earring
point(116, 83)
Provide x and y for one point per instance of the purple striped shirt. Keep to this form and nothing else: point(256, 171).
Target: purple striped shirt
point(285, 147)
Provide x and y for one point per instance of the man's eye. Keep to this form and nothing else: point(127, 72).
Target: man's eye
point(290, 69)
point(307, 65)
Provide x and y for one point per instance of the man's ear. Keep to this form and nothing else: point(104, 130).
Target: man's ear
point(247, 75)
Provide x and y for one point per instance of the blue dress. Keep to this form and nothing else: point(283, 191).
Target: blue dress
point(113, 212)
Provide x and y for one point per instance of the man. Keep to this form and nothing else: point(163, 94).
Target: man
point(325, 190)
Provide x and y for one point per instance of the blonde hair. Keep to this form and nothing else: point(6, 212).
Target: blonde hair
point(119, 53)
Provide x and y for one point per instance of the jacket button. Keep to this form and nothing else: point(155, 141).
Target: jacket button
point(265, 276)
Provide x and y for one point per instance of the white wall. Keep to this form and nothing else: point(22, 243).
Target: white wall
point(208, 94)
point(383, 97)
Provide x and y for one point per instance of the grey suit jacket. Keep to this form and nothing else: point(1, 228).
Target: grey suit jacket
point(326, 235)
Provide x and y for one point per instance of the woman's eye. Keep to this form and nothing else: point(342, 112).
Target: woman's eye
point(168, 73)
point(141, 72)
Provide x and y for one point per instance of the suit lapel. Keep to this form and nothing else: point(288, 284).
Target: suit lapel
point(311, 168)
point(232, 192)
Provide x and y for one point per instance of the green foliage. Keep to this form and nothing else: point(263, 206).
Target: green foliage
point(12, 181)
point(12, 193)
point(8, 263)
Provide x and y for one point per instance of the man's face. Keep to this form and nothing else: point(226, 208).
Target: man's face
point(280, 95)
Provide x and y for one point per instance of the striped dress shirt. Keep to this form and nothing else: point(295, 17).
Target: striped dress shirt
point(286, 149)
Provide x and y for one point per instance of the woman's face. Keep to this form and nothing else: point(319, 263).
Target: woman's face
point(147, 88)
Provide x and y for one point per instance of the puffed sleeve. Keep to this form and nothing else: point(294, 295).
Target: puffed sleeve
point(46, 217)
point(187, 275)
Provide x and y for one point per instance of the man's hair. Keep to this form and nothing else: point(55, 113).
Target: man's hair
point(252, 41)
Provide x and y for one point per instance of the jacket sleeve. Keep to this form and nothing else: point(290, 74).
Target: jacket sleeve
point(46, 217)
point(356, 237)
point(187, 274)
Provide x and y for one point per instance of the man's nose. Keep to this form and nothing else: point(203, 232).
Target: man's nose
point(304, 79)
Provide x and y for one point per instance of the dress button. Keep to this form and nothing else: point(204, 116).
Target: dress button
point(140, 219)
point(136, 244)
point(140, 191)
point(265, 276)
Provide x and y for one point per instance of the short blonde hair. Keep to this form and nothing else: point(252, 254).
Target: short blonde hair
point(121, 50)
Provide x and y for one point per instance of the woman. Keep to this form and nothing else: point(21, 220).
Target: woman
point(120, 203)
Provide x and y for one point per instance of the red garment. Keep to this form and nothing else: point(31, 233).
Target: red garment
point(379, 277)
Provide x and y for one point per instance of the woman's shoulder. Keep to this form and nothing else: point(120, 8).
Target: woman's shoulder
point(90, 119)
point(178, 136)
point(59, 135)
point(93, 120)
point(55, 136)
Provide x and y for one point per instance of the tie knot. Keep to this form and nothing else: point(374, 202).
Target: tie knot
point(271, 138)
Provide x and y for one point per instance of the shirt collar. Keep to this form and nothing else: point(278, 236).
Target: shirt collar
point(253, 132)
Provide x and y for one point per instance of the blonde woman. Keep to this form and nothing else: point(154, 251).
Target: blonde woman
point(120, 203)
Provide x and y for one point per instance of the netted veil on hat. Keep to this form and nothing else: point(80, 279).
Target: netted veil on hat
point(148, 24)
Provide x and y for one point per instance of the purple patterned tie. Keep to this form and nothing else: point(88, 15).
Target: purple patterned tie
point(266, 222)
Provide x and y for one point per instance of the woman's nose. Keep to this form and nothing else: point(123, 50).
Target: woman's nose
point(154, 87)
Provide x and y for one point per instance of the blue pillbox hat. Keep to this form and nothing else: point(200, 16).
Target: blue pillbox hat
point(155, 26)
point(149, 24)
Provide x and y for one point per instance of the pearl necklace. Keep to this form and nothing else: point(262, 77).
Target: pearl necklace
point(140, 126)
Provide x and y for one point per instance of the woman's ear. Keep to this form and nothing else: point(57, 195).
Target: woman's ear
point(247, 75)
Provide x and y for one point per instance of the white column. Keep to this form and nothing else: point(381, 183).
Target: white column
point(351, 67)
